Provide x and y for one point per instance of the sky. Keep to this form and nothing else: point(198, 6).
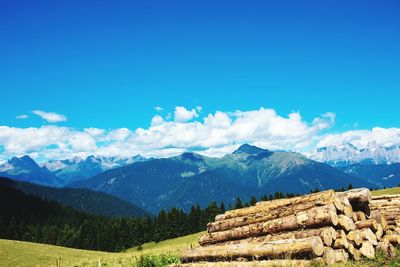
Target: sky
point(162, 77)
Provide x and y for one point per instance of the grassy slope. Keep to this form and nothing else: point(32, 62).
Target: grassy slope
point(16, 253)
point(387, 191)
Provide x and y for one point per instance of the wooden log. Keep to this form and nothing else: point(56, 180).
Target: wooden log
point(379, 232)
point(263, 263)
point(312, 218)
point(359, 199)
point(327, 234)
point(347, 208)
point(367, 234)
point(394, 196)
point(393, 239)
point(345, 223)
point(341, 255)
point(355, 236)
point(355, 254)
point(316, 199)
point(360, 216)
point(367, 250)
point(306, 247)
point(386, 247)
point(328, 256)
point(369, 223)
point(380, 218)
point(269, 213)
point(341, 234)
point(341, 243)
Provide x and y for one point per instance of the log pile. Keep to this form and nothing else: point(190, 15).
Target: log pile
point(327, 227)
point(386, 208)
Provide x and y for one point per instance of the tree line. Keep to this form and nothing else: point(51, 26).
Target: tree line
point(30, 218)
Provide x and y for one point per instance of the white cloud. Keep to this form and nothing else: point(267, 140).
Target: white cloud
point(181, 114)
point(50, 116)
point(22, 116)
point(213, 134)
point(158, 108)
point(385, 137)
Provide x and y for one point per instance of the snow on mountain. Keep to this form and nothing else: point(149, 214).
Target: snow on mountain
point(347, 154)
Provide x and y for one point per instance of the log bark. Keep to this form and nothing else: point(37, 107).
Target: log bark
point(359, 199)
point(379, 232)
point(312, 218)
point(370, 223)
point(367, 250)
point(263, 263)
point(327, 234)
point(380, 218)
point(393, 239)
point(270, 213)
point(316, 199)
point(360, 216)
point(394, 196)
point(306, 247)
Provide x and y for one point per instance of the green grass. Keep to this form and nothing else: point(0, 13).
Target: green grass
point(387, 191)
point(17, 253)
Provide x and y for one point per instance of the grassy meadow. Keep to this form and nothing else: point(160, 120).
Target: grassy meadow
point(17, 253)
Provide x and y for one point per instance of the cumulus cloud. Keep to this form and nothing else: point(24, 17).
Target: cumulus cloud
point(22, 116)
point(158, 108)
point(214, 134)
point(51, 117)
point(181, 114)
point(385, 137)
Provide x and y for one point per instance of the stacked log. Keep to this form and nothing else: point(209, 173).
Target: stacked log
point(386, 208)
point(327, 227)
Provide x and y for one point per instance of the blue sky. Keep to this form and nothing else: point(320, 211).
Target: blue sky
point(107, 65)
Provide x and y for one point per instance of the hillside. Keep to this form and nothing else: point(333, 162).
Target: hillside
point(81, 199)
point(18, 253)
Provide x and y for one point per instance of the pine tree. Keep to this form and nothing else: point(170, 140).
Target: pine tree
point(253, 200)
point(238, 203)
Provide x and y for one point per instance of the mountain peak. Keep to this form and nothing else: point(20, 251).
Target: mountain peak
point(24, 162)
point(249, 149)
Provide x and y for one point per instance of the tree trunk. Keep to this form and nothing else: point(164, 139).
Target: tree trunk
point(355, 236)
point(359, 199)
point(264, 263)
point(327, 234)
point(360, 216)
point(345, 223)
point(320, 198)
point(393, 239)
point(367, 234)
point(270, 213)
point(370, 223)
point(306, 247)
point(367, 250)
point(341, 255)
point(341, 243)
point(312, 218)
point(354, 253)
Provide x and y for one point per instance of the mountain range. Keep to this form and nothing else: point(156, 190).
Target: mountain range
point(348, 154)
point(61, 172)
point(190, 178)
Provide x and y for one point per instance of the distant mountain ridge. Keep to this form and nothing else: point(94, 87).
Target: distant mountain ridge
point(348, 154)
point(61, 172)
point(190, 178)
point(82, 199)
